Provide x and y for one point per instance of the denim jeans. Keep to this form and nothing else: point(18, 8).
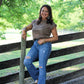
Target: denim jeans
point(42, 52)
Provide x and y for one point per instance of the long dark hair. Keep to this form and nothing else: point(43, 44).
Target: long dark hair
point(49, 19)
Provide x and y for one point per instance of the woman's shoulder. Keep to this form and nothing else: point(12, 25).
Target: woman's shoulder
point(34, 20)
point(54, 24)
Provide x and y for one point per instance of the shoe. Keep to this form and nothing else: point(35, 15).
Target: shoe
point(36, 81)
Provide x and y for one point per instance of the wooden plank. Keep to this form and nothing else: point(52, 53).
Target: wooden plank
point(9, 78)
point(55, 53)
point(10, 47)
point(68, 37)
point(67, 51)
point(62, 38)
point(13, 46)
point(64, 64)
point(65, 77)
point(78, 80)
point(9, 63)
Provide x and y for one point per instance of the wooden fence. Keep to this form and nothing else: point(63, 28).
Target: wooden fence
point(55, 53)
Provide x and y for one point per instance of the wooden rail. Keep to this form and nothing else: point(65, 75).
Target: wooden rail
point(55, 53)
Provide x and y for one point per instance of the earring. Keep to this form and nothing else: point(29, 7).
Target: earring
point(48, 17)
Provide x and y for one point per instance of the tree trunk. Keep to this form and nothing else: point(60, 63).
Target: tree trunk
point(0, 2)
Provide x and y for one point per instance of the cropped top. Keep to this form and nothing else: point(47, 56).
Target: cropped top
point(42, 30)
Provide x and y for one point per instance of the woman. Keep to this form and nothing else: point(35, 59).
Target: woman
point(41, 49)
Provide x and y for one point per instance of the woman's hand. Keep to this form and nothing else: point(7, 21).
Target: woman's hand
point(24, 35)
point(41, 41)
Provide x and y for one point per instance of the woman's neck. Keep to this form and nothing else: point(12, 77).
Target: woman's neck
point(44, 19)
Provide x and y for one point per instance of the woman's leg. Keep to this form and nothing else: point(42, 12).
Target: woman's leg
point(44, 53)
point(31, 56)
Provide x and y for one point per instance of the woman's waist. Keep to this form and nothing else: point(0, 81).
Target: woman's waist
point(41, 37)
point(36, 42)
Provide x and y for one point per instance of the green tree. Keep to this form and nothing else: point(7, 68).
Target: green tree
point(16, 14)
point(69, 14)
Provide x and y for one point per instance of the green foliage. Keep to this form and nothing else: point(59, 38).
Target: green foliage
point(2, 36)
point(67, 14)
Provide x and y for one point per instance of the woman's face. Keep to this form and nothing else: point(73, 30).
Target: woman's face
point(44, 13)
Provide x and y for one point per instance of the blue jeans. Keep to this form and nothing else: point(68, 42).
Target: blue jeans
point(42, 52)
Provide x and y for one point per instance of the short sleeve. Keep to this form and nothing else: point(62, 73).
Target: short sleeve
point(53, 25)
point(33, 22)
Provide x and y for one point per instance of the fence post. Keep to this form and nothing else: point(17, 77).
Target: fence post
point(22, 68)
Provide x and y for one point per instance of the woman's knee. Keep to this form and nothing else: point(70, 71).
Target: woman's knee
point(27, 60)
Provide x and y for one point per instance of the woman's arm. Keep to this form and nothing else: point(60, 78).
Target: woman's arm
point(29, 27)
point(54, 38)
point(25, 29)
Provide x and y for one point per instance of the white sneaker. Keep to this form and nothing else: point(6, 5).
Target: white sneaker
point(36, 81)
